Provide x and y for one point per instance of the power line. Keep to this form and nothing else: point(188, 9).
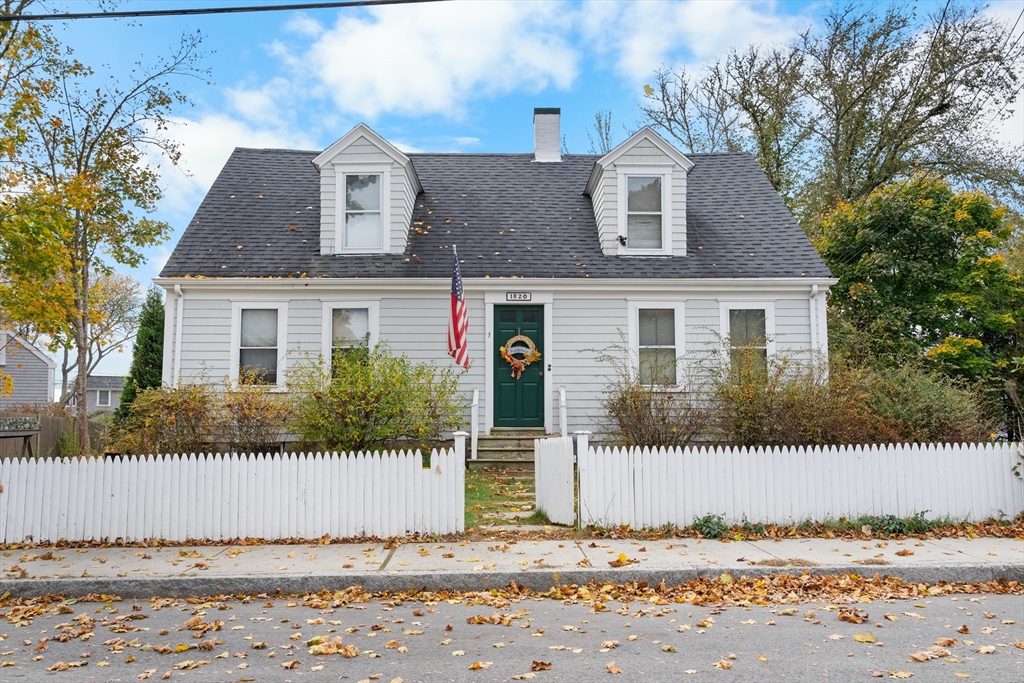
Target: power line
point(135, 14)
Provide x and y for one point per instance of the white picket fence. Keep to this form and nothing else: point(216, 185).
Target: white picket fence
point(220, 497)
point(654, 487)
point(555, 478)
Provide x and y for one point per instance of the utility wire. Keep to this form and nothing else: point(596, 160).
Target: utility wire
point(206, 10)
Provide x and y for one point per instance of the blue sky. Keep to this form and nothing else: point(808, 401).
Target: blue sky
point(458, 76)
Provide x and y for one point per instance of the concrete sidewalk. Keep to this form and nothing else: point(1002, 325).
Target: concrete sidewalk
point(207, 570)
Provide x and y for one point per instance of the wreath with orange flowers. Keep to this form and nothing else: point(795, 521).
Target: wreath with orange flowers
point(526, 349)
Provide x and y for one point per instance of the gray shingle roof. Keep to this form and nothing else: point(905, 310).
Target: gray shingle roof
point(509, 216)
point(104, 382)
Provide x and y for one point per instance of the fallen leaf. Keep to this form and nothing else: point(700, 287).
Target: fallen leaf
point(864, 637)
point(900, 674)
point(986, 649)
point(723, 664)
point(905, 552)
point(523, 677)
point(964, 629)
point(148, 673)
point(612, 669)
point(946, 642)
point(610, 644)
point(852, 615)
point(476, 666)
point(690, 671)
point(293, 663)
point(540, 666)
point(458, 653)
point(668, 648)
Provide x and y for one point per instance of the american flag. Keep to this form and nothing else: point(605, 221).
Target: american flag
point(458, 323)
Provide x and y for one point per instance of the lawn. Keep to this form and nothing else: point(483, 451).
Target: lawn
point(490, 492)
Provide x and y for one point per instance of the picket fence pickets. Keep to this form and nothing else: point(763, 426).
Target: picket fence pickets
point(220, 497)
point(555, 478)
point(653, 487)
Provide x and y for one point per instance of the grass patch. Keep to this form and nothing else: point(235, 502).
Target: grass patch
point(490, 491)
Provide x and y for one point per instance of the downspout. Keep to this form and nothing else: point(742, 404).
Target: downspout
point(180, 304)
point(813, 311)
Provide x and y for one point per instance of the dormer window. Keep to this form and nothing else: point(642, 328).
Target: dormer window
point(645, 215)
point(363, 224)
point(643, 212)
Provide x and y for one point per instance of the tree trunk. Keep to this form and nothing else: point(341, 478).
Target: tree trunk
point(82, 342)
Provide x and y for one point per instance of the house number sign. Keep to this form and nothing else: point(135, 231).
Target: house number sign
point(518, 296)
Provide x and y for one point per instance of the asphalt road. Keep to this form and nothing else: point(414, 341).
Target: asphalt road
point(654, 643)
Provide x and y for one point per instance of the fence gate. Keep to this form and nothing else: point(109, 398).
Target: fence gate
point(554, 473)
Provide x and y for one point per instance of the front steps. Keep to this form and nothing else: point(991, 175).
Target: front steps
point(506, 448)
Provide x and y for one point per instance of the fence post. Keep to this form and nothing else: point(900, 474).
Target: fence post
point(582, 444)
point(474, 416)
point(460, 481)
point(562, 417)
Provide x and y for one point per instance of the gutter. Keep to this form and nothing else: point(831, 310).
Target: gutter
point(179, 311)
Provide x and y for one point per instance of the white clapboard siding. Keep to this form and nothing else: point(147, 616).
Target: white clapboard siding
point(653, 487)
point(555, 477)
point(222, 497)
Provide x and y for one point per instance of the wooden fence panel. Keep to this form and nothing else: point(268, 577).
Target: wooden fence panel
point(653, 487)
point(219, 497)
point(555, 478)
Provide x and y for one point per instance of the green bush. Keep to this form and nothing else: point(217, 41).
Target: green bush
point(373, 399)
point(164, 420)
point(711, 526)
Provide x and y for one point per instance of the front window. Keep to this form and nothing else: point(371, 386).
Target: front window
point(363, 222)
point(748, 339)
point(103, 397)
point(350, 328)
point(657, 342)
point(257, 349)
point(643, 212)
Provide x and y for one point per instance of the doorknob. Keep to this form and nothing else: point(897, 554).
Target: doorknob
point(540, 374)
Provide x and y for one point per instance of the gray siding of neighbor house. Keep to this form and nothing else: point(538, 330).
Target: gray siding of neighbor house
point(584, 322)
point(32, 377)
point(92, 400)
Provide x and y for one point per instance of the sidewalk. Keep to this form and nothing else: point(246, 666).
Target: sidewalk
point(208, 570)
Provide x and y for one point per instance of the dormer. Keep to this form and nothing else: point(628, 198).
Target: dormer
point(367, 191)
point(639, 195)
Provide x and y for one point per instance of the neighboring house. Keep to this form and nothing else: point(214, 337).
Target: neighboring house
point(30, 369)
point(295, 253)
point(102, 393)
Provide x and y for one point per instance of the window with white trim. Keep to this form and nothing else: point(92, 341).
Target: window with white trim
point(103, 397)
point(656, 341)
point(348, 325)
point(748, 329)
point(645, 209)
point(258, 345)
point(363, 221)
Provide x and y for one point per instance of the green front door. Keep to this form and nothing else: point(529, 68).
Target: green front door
point(518, 401)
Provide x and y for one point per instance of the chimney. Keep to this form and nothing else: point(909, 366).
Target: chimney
point(547, 139)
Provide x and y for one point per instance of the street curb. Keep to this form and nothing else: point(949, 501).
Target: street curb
point(535, 580)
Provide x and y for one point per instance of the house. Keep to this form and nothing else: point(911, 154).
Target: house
point(293, 253)
point(30, 370)
point(102, 393)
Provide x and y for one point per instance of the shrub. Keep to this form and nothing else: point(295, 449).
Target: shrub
point(252, 417)
point(373, 399)
point(637, 413)
point(711, 526)
point(164, 420)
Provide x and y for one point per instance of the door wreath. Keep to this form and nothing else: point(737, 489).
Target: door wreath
point(522, 346)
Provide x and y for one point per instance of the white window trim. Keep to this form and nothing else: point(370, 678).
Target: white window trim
point(373, 321)
point(282, 338)
point(769, 323)
point(5, 339)
point(99, 393)
point(633, 336)
point(624, 171)
point(383, 169)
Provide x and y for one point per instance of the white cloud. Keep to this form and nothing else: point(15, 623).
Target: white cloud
point(206, 143)
point(304, 25)
point(431, 59)
point(263, 104)
point(640, 37)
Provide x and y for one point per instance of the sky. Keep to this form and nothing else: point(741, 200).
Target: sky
point(458, 76)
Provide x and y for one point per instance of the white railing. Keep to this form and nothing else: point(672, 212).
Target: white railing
point(555, 478)
point(563, 424)
point(653, 487)
point(474, 422)
point(221, 497)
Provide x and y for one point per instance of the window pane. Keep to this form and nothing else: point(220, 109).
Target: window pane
point(507, 316)
point(643, 231)
point(531, 316)
point(746, 327)
point(362, 193)
point(104, 398)
point(263, 362)
point(362, 231)
point(749, 362)
point(644, 194)
point(657, 327)
point(259, 327)
point(350, 326)
point(658, 366)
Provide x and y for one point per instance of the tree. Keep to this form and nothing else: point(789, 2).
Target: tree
point(921, 277)
point(603, 133)
point(86, 176)
point(867, 99)
point(146, 371)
